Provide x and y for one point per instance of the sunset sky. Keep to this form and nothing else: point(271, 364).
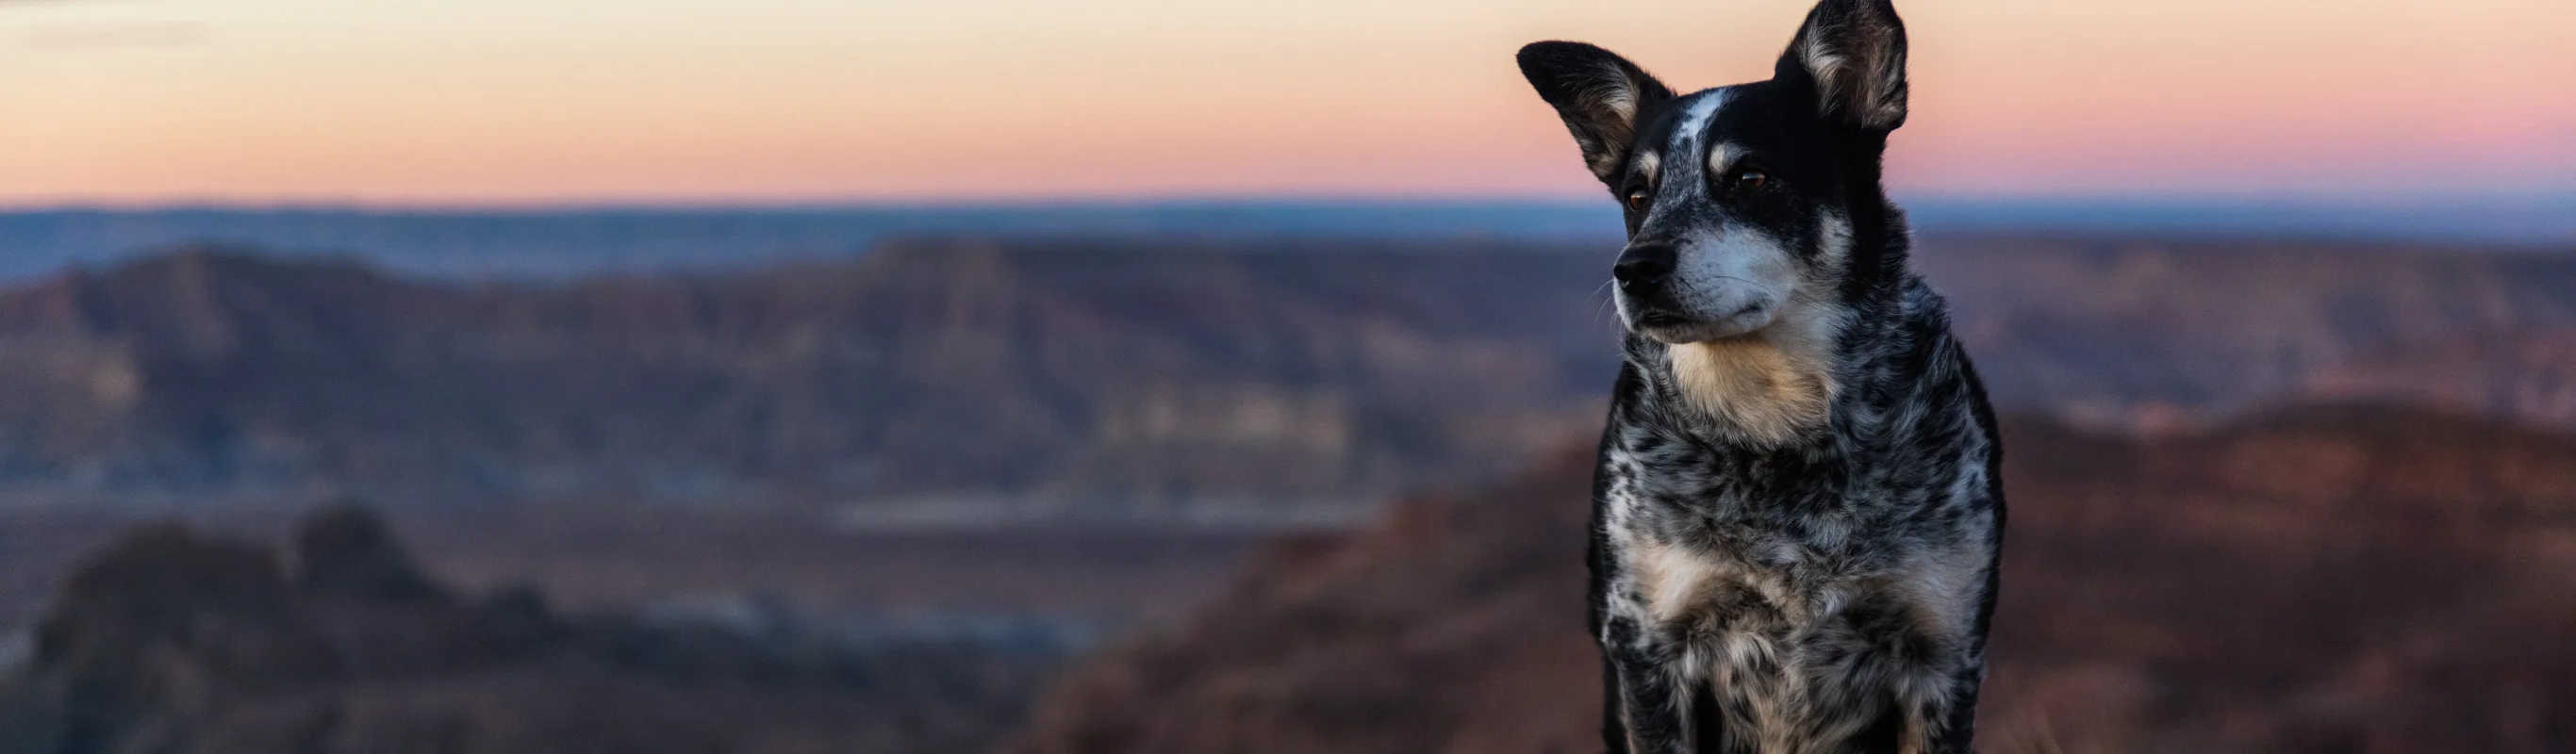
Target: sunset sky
point(517, 102)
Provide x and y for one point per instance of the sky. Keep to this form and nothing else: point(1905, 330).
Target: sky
point(538, 102)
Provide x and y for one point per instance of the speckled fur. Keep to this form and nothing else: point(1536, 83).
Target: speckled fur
point(1827, 595)
point(1796, 530)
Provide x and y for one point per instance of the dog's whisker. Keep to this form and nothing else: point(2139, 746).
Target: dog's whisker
point(1604, 307)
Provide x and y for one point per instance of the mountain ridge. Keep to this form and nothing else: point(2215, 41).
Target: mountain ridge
point(1239, 383)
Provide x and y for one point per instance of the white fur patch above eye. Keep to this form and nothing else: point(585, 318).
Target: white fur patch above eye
point(1648, 163)
point(1721, 157)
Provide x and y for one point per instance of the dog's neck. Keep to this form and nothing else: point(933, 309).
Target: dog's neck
point(1767, 388)
point(1781, 385)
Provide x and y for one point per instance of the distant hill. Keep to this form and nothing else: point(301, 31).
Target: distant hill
point(2127, 332)
point(558, 244)
point(2334, 579)
point(571, 242)
point(965, 381)
point(2530, 376)
point(1170, 380)
point(171, 640)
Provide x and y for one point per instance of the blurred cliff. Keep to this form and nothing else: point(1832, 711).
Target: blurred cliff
point(1073, 380)
point(2267, 497)
point(2333, 579)
point(175, 641)
point(1173, 382)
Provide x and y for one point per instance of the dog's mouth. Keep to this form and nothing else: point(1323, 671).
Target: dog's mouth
point(1661, 318)
point(1674, 327)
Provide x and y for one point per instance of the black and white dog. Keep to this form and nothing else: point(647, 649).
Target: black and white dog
point(1797, 510)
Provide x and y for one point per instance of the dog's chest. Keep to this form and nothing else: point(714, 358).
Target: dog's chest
point(1704, 553)
point(1781, 577)
point(1798, 529)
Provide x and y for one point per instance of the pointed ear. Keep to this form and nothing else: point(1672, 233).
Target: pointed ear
point(1598, 93)
point(1853, 53)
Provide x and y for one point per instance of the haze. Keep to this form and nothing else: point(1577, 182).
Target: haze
point(531, 102)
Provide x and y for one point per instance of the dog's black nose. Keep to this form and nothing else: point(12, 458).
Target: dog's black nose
point(1644, 265)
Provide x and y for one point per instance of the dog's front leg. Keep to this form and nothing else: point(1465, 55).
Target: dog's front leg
point(1954, 723)
point(1925, 727)
point(1650, 714)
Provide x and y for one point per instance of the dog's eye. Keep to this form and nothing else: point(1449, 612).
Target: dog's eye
point(1749, 180)
point(1637, 200)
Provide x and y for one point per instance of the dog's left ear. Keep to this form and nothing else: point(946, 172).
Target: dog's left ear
point(1599, 94)
point(1852, 54)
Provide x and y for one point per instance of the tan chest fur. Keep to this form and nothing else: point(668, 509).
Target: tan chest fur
point(1769, 386)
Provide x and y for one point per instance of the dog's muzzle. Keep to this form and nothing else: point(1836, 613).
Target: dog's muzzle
point(1707, 310)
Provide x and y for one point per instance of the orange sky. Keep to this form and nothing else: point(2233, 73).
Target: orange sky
point(536, 101)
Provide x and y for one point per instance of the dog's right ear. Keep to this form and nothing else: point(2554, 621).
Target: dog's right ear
point(1598, 93)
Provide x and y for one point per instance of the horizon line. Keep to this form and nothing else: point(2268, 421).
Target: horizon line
point(2087, 200)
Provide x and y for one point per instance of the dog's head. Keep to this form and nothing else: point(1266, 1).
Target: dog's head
point(1740, 199)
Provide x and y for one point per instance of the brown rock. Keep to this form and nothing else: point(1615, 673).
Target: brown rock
point(2322, 580)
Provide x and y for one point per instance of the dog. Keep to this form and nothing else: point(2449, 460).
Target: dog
point(1797, 510)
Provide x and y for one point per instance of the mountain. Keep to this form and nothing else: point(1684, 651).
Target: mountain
point(2331, 579)
point(969, 381)
point(577, 242)
point(2527, 376)
point(1157, 378)
point(2121, 332)
point(574, 242)
point(170, 640)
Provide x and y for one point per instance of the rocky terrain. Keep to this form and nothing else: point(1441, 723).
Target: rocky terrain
point(2332, 579)
point(967, 382)
point(2140, 334)
point(1170, 382)
point(2530, 376)
point(170, 641)
point(615, 558)
point(710, 474)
